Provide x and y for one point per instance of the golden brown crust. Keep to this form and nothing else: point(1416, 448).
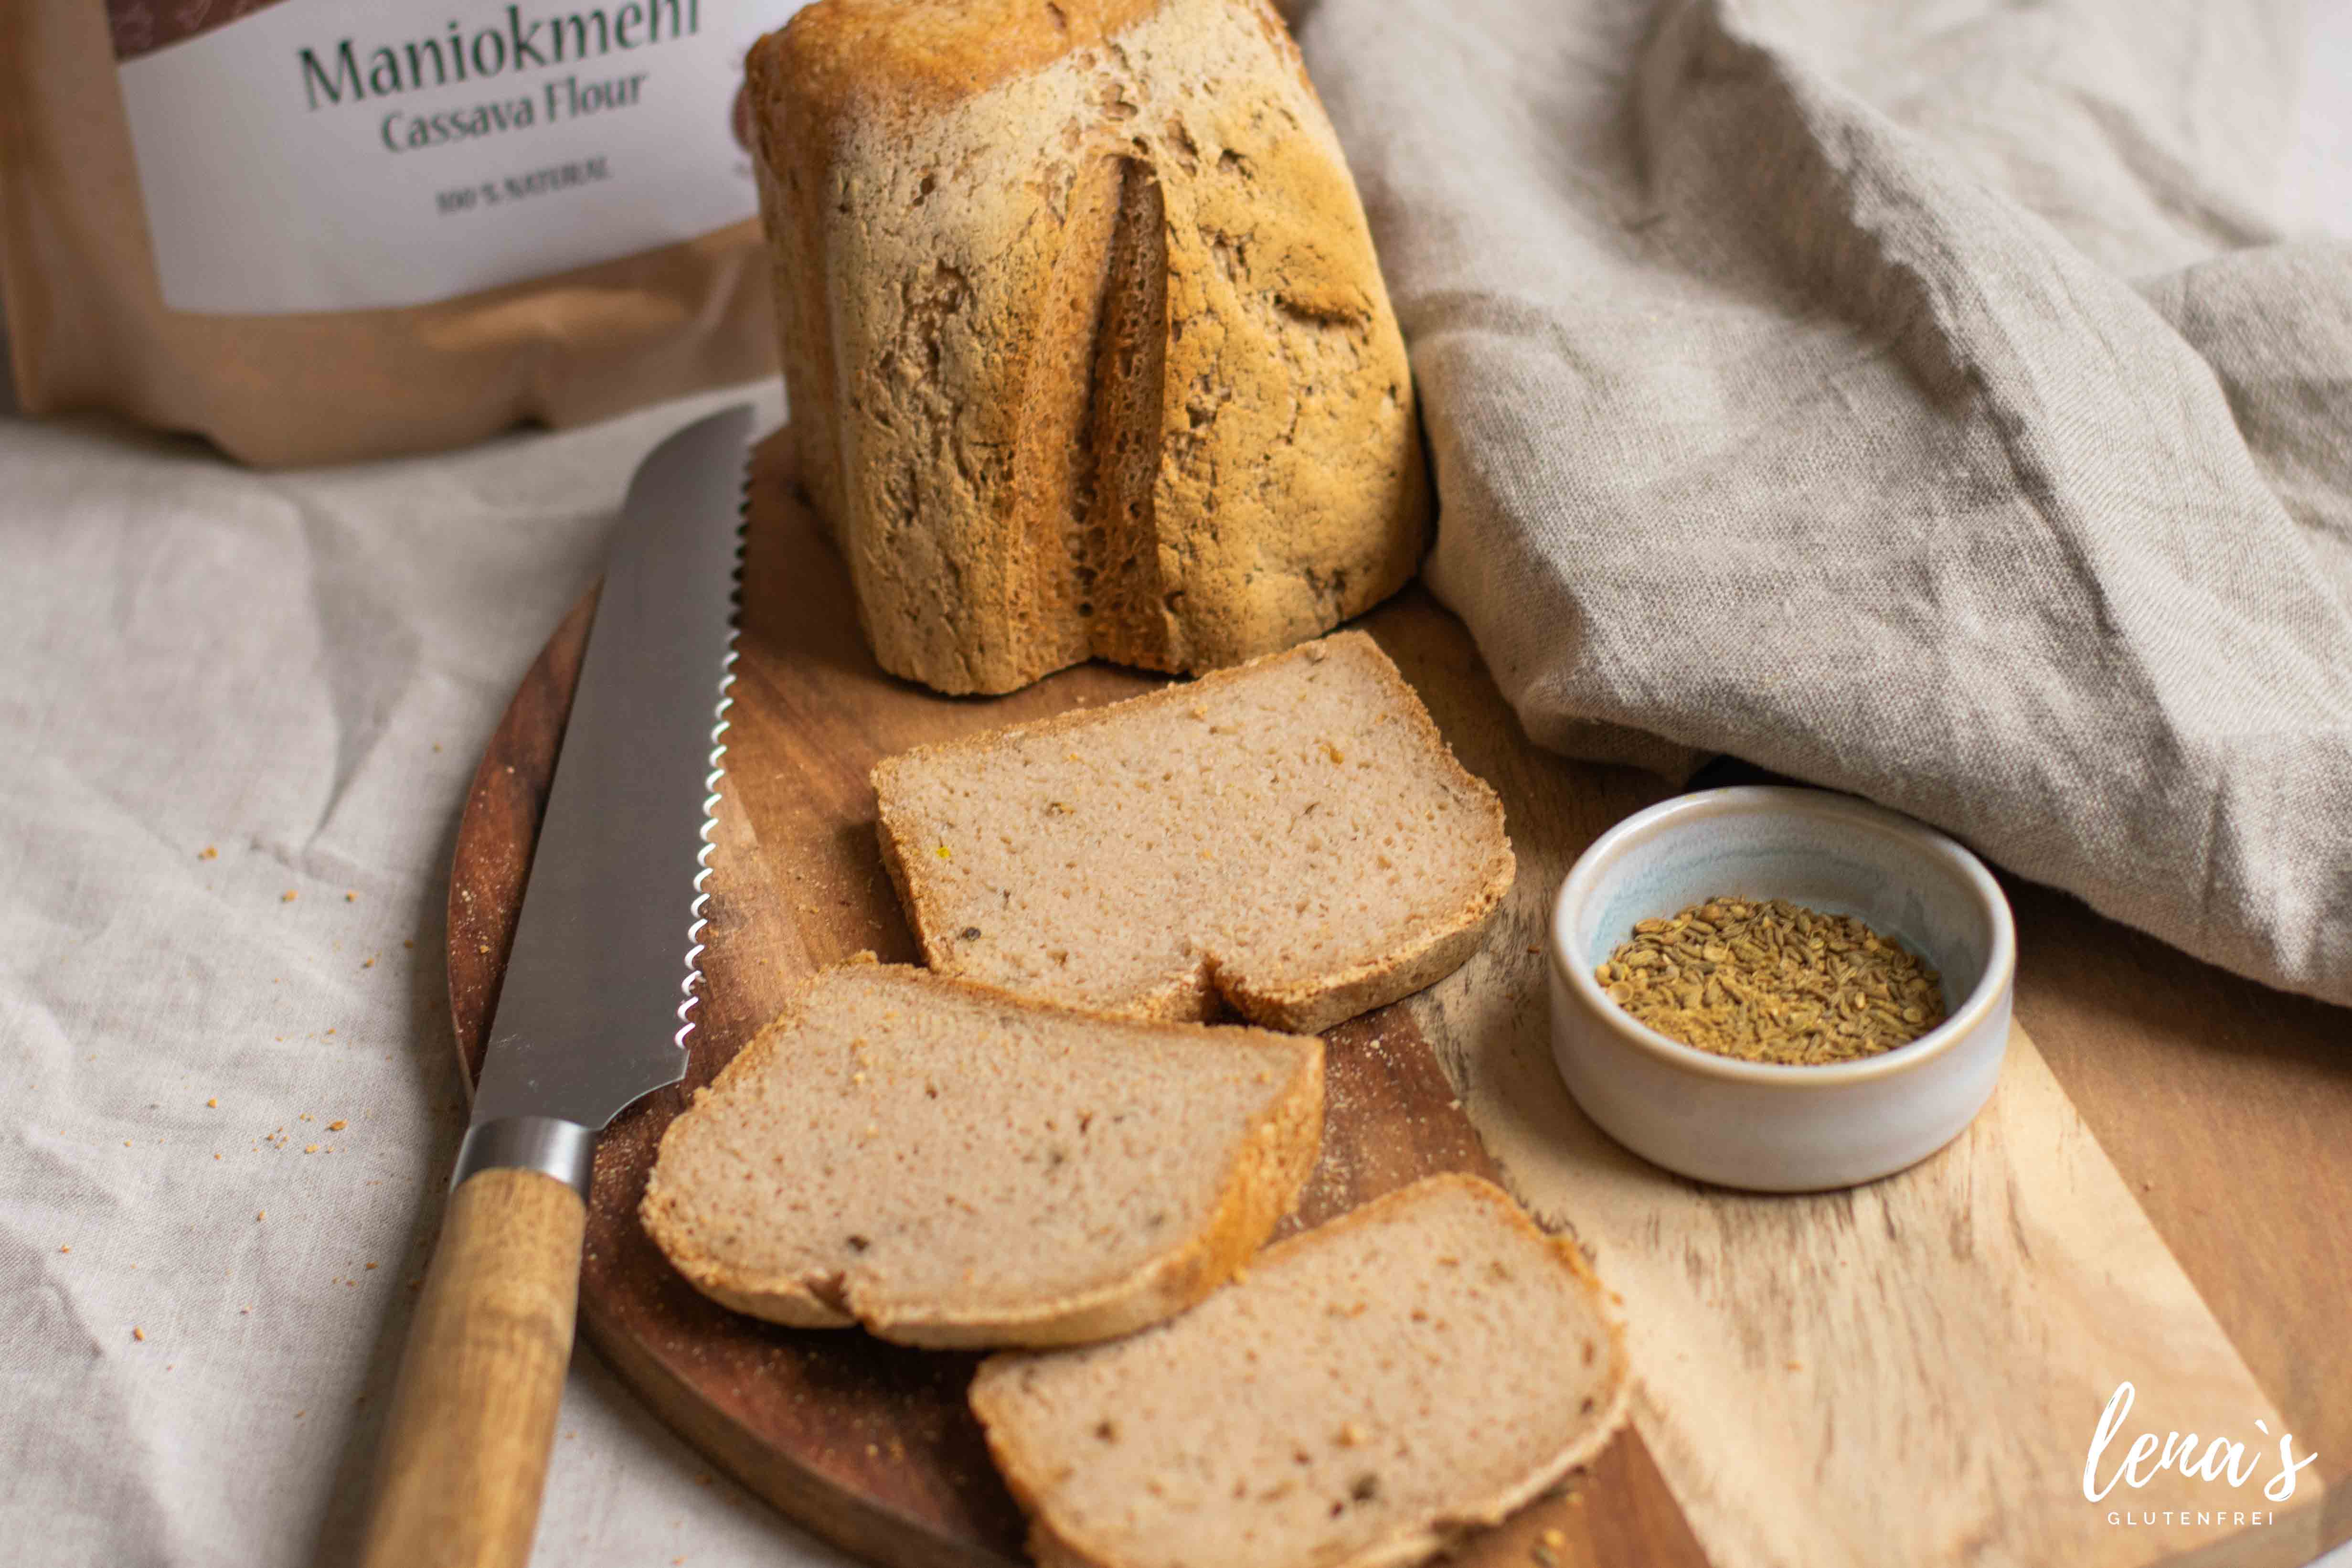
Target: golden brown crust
point(1025, 1476)
point(842, 54)
point(1086, 343)
point(1266, 1166)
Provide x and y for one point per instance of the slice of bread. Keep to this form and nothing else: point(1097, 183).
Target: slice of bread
point(950, 1166)
point(1371, 1389)
point(1291, 841)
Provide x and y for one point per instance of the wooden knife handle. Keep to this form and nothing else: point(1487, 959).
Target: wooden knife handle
point(473, 1416)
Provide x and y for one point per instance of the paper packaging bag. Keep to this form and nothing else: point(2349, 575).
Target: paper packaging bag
point(320, 230)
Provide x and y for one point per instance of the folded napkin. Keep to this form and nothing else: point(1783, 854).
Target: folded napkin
point(1914, 399)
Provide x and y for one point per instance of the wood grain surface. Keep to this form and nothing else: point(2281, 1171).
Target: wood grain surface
point(1945, 1339)
point(868, 1443)
point(1896, 1374)
point(473, 1416)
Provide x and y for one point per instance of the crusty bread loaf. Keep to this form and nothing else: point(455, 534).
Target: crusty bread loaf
point(1087, 346)
point(1291, 841)
point(949, 1166)
point(1368, 1390)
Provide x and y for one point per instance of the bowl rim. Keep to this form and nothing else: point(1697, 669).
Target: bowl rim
point(1682, 811)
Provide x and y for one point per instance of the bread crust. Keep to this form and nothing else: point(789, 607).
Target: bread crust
point(1435, 951)
point(1087, 347)
point(1028, 1477)
point(1267, 1166)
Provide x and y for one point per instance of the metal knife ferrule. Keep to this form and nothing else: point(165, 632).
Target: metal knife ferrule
point(564, 1150)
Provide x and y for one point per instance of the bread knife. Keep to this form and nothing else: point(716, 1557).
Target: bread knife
point(593, 1014)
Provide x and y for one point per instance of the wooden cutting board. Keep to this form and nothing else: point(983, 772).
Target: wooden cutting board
point(1908, 1373)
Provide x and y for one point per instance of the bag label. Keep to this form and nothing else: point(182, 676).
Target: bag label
point(315, 155)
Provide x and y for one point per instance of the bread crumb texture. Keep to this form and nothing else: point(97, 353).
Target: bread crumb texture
point(1086, 343)
point(1291, 841)
point(949, 1166)
point(1321, 1412)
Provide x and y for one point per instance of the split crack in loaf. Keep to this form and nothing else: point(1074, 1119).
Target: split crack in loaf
point(1086, 343)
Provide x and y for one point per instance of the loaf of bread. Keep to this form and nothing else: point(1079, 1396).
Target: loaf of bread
point(1369, 1390)
point(1291, 841)
point(1087, 350)
point(949, 1166)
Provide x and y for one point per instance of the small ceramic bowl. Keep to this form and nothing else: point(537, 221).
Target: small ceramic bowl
point(1759, 1125)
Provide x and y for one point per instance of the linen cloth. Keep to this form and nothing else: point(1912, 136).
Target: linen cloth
point(299, 671)
point(1918, 399)
point(238, 716)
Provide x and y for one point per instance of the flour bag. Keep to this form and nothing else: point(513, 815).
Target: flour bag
point(319, 230)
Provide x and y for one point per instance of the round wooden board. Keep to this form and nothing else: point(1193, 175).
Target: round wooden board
point(869, 1445)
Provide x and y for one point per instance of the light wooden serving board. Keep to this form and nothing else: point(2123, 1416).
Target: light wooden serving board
point(1908, 1373)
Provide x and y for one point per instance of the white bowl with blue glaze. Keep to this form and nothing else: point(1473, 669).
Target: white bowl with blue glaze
point(1756, 1125)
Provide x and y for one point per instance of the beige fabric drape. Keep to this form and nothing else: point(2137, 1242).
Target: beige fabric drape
point(1917, 399)
point(296, 672)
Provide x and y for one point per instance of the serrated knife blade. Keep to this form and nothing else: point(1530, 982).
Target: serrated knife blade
point(594, 1011)
point(599, 983)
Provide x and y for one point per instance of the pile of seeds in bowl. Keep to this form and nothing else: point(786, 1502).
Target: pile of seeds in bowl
point(1769, 981)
